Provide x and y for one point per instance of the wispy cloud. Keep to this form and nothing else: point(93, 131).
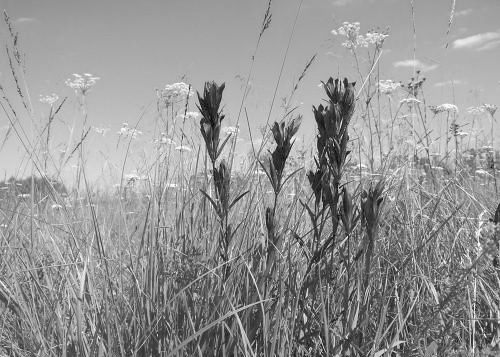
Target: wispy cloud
point(463, 12)
point(419, 65)
point(479, 42)
point(489, 46)
point(341, 2)
point(453, 82)
point(24, 20)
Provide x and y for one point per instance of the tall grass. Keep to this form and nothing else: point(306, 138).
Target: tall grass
point(287, 257)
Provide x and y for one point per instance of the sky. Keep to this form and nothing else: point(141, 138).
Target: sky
point(138, 47)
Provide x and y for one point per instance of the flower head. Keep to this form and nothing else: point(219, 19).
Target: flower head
point(128, 132)
point(354, 40)
point(490, 108)
point(49, 99)
point(475, 110)
point(351, 31)
point(388, 86)
point(174, 93)
point(82, 83)
point(230, 130)
point(100, 131)
point(164, 140)
point(449, 108)
point(375, 38)
point(410, 101)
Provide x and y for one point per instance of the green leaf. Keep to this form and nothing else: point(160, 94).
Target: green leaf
point(237, 199)
point(290, 176)
point(221, 147)
point(216, 207)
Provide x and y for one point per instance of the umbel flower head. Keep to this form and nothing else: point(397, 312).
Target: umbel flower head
point(49, 99)
point(211, 117)
point(82, 83)
point(387, 86)
point(446, 107)
point(354, 40)
point(490, 108)
point(175, 93)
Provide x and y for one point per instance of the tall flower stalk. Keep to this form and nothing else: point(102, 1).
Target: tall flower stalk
point(210, 127)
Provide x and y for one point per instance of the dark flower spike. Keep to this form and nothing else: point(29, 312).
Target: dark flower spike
point(210, 122)
point(283, 134)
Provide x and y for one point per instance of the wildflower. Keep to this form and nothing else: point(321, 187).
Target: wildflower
point(211, 117)
point(56, 207)
point(128, 132)
point(355, 40)
point(49, 99)
point(174, 93)
point(82, 83)
point(24, 195)
point(375, 38)
point(462, 134)
point(230, 130)
point(486, 148)
point(172, 185)
point(164, 140)
point(183, 148)
point(490, 108)
point(387, 86)
point(409, 101)
point(475, 110)
point(449, 108)
point(132, 178)
point(100, 131)
point(351, 32)
point(283, 133)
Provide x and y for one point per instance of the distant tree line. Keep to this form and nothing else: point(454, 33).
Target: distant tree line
point(41, 186)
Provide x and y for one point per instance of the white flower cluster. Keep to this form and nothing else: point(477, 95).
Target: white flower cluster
point(128, 132)
point(174, 93)
point(387, 86)
point(100, 131)
point(475, 110)
point(230, 130)
point(82, 83)
point(446, 107)
point(354, 40)
point(410, 101)
point(49, 99)
point(490, 108)
point(164, 140)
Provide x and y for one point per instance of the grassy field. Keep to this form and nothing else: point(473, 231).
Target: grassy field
point(376, 244)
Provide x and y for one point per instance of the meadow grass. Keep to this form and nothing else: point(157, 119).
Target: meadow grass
point(294, 255)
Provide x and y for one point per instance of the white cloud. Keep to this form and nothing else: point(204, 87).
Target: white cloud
point(489, 45)
point(419, 65)
point(23, 20)
point(341, 2)
point(463, 12)
point(448, 83)
point(477, 42)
